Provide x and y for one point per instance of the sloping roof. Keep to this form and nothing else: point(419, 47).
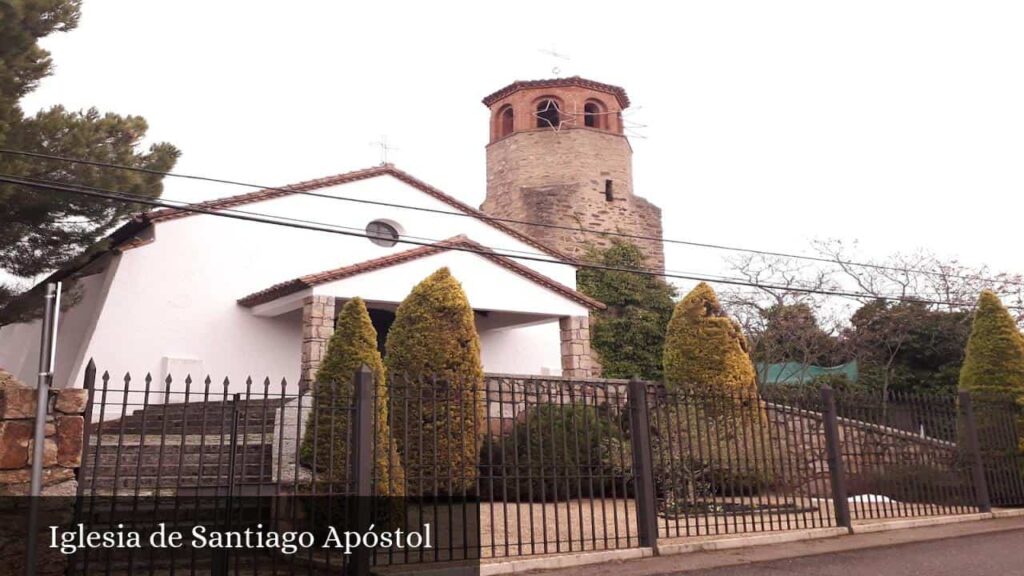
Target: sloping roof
point(457, 243)
point(166, 214)
point(619, 93)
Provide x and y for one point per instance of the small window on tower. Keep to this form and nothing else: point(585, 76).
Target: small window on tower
point(547, 114)
point(609, 194)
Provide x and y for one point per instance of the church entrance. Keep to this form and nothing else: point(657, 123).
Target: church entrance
point(382, 320)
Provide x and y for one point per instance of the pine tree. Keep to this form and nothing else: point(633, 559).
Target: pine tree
point(353, 345)
point(436, 378)
point(629, 334)
point(41, 230)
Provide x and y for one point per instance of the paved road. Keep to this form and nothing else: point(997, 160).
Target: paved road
point(996, 554)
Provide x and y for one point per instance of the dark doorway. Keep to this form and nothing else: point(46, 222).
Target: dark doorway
point(382, 320)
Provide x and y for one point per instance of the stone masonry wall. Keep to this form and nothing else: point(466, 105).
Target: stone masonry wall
point(62, 455)
point(867, 449)
point(559, 178)
point(317, 329)
point(62, 451)
point(509, 396)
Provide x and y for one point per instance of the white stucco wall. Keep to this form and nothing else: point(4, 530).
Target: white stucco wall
point(503, 351)
point(173, 302)
point(19, 343)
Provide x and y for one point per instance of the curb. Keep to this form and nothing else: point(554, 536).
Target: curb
point(918, 523)
point(564, 561)
point(589, 558)
point(747, 541)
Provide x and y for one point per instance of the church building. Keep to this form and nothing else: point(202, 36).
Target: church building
point(181, 292)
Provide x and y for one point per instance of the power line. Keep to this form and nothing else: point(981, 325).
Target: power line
point(299, 224)
point(511, 220)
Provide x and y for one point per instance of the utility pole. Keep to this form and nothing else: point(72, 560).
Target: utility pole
point(47, 355)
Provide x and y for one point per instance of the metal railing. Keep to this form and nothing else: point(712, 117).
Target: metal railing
point(522, 466)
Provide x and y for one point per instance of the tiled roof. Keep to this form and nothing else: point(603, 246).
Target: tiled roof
point(619, 93)
point(166, 214)
point(457, 243)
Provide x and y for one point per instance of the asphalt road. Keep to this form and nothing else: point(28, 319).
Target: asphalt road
point(995, 554)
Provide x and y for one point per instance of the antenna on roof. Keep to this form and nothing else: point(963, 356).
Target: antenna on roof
point(558, 55)
point(384, 149)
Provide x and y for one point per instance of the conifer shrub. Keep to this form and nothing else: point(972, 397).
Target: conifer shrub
point(711, 422)
point(705, 350)
point(353, 344)
point(557, 452)
point(436, 378)
point(993, 374)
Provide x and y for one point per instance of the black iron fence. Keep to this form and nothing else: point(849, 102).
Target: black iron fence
point(523, 465)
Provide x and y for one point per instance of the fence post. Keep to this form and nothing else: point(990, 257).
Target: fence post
point(643, 469)
point(362, 461)
point(973, 448)
point(836, 468)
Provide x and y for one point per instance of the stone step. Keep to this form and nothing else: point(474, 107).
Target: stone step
point(131, 482)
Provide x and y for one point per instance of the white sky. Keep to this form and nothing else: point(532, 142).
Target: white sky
point(897, 123)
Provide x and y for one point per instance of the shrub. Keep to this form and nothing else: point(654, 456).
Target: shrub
point(705, 350)
point(433, 361)
point(630, 333)
point(711, 406)
point(353, 344)
point(994, 359)
point(993, 371)
point(701, 450)
point(555, 453)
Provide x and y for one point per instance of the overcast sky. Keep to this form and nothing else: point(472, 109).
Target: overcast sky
point(767, 124)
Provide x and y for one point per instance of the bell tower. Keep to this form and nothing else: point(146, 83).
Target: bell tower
point(558, 155)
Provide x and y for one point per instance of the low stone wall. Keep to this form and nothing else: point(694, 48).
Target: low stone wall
point(62, 454)
point(62, 449)
point(868, 450)
point(509, 395)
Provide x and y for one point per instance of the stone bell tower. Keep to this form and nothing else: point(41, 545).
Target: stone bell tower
point(558, 155)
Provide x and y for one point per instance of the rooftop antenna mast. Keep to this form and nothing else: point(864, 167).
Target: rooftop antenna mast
point(557, 56)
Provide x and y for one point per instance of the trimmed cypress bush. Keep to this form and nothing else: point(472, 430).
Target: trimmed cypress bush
point(353, 344)
point(705, 350)
point(993, 373)
point(436, 378)
point(711, 385)
point(994, 360)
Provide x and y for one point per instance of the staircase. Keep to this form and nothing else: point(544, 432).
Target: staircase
point(199, 447)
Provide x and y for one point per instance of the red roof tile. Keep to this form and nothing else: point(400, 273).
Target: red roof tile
point(457, 243)
point(619, 93)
